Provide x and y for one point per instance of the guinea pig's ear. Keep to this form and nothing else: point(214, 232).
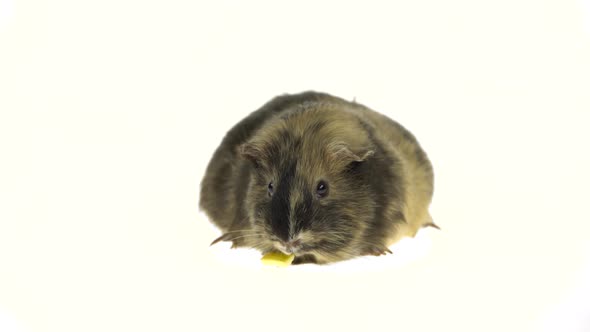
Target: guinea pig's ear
point(344, 154)
point(251, 153)
point(363, 155)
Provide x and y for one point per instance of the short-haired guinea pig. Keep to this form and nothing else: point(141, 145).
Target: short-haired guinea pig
point(319, 177)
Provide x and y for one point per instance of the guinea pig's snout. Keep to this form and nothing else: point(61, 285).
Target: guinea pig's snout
point(291, 246)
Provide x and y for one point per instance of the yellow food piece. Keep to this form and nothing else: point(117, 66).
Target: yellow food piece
point(276, 258)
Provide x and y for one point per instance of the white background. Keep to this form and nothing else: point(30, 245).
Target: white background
point(110, 111)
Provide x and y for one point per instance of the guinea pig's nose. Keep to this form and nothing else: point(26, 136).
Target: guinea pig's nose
point(292, 246)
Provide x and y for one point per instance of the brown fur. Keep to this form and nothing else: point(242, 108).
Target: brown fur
point(380, 182)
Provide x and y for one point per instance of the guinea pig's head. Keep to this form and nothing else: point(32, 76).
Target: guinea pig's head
point(309, 190)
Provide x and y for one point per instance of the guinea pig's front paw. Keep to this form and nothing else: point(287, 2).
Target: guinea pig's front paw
point(376, 251)
point(304, 259)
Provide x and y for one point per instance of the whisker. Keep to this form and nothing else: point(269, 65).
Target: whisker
point(241, 231)
point(244, 236)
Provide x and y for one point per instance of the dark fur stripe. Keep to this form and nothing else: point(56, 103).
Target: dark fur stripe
point(280, 205)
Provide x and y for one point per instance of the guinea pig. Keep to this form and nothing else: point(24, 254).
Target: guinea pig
point(319, 177)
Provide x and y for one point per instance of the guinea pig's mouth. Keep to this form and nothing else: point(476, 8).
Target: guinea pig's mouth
point(296, 249)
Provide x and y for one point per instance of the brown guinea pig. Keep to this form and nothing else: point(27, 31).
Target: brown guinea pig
point(320, 177)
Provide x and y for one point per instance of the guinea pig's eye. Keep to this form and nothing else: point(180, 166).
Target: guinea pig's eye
point(270, 189)
point(322, 189)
